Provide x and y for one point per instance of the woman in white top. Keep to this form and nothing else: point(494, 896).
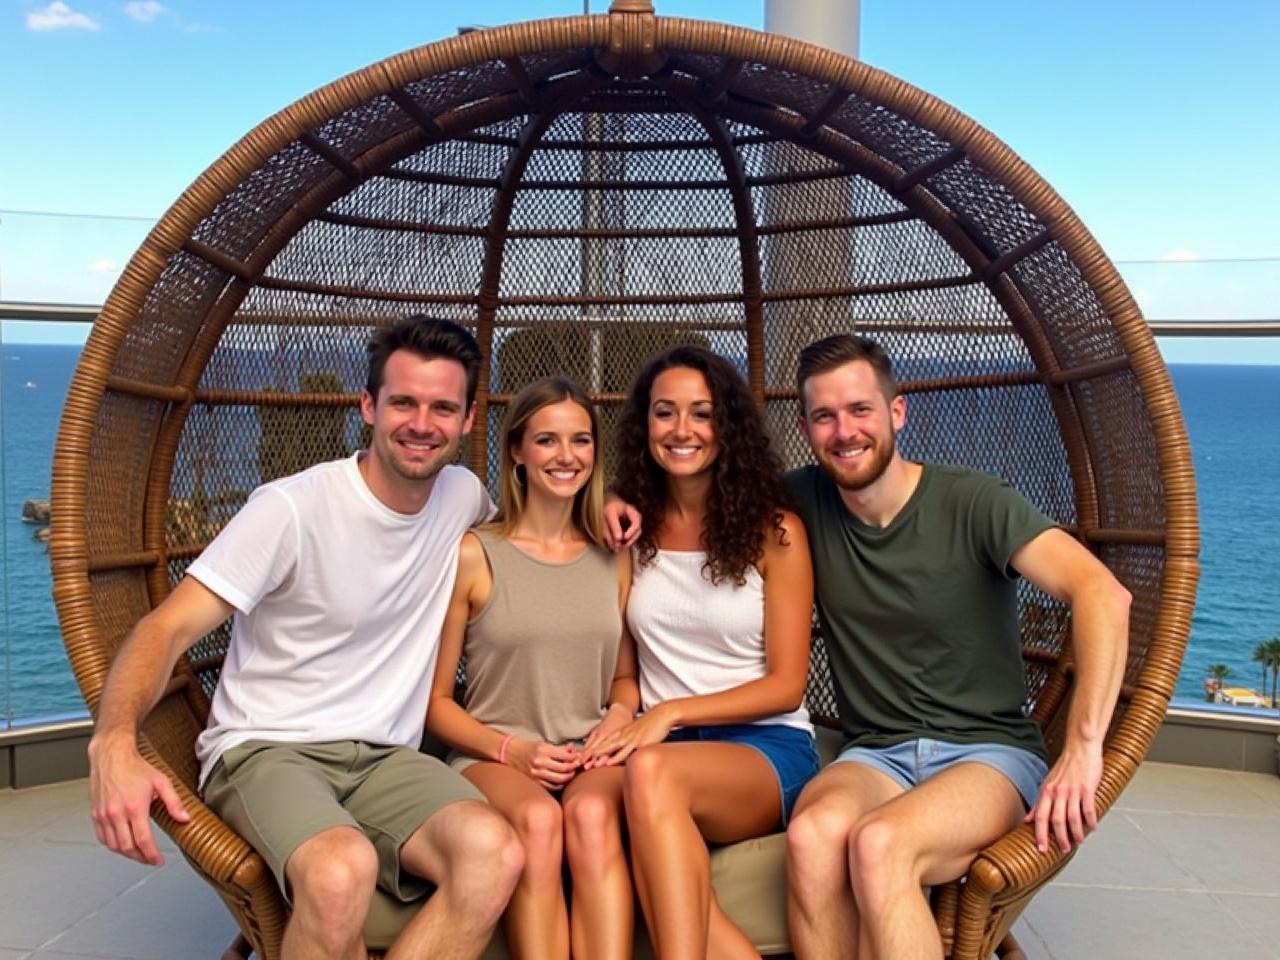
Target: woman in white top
point(536, 611)
point(720, 606)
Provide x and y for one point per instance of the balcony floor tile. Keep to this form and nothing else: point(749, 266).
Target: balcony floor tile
point(1110, 923)
point(1260, 916)
point(157, 919)
point(1172, 788)
point(1182, 867)
point(1121, 848)
point(31, 810)
point(47, 887)
point(1227, 854)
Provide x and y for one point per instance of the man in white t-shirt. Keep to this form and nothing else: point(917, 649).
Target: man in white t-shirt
point(337, 580)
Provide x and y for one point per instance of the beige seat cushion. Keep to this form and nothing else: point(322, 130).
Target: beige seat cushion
point(750, 880)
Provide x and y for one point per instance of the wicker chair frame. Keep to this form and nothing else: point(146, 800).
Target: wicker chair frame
point(580, 192)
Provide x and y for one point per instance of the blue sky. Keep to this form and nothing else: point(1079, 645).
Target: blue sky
point(1156, 121)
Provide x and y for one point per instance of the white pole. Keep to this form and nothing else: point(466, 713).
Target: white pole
point(828, 23)
point(788, 260)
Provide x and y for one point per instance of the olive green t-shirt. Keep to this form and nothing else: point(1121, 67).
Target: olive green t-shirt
point(921, 617)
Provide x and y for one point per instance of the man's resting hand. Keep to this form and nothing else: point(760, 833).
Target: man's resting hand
point(121, 787)
point(1065, 811)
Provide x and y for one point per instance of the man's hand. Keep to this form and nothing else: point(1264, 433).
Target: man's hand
point(1057, 564)
point(121, 787)
point(122, 784)
point(621, 523)
point(1065, 806)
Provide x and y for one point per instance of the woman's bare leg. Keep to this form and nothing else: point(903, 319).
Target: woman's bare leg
point(678, 796)
point(602, 918)
point(537, 921)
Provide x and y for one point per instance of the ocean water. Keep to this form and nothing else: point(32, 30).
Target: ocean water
point(1232, 415)
point(35, 677)
point(1233, 421)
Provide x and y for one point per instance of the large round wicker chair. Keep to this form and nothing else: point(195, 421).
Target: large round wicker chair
point(582, 192)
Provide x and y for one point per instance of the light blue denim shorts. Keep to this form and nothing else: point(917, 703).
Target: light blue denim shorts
point(912, 762)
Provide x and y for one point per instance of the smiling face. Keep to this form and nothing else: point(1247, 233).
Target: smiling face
point(557, 450)
point(418, 420)
point(851, 425)
point(682, 433)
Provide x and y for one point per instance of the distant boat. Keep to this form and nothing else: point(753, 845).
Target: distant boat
point(30, 384)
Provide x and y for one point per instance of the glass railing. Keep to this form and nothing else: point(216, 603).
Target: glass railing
point(1228, 384)
point(38, 358)
point(49, 264)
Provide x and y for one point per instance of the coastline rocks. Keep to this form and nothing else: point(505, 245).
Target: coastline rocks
point(35, 511)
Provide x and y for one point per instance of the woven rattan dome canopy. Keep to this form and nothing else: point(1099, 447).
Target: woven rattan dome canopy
point(582, 192)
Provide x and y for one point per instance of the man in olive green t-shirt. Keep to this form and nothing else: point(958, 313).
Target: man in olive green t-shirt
point(915, 568)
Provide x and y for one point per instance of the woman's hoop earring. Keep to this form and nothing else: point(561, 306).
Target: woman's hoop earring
point(519, 473)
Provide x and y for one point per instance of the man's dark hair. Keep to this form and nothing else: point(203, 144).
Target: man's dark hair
point(429, 339)
point(825, 355)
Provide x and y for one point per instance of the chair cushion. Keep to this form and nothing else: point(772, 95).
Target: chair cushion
point(750, 880)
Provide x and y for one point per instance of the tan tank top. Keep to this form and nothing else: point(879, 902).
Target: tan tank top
point(542, 652)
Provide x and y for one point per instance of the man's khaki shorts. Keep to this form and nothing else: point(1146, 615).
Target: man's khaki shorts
point(278, 795)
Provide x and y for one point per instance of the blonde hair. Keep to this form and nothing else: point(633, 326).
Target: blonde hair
point(588, 504)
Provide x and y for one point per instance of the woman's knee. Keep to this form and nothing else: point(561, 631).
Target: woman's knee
point(649, 782)
point(592, 825)
point(539, 824)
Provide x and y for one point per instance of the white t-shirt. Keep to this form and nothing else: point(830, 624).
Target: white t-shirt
point(339, 604)
point(693, 637)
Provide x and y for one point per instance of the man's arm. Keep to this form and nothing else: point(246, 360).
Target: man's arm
point(621, 523)
point(1057, 564)
point(121, 783)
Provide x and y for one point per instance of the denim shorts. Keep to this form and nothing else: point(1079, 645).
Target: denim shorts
point(912, 762)
point(790, 752)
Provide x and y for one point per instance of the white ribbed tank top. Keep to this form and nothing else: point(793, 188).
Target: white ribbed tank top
point(694, 638)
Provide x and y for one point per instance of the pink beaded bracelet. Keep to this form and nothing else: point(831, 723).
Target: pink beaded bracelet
point(502, 750)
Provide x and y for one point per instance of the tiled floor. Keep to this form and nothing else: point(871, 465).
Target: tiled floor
point(62, 896)
point(1186, 865)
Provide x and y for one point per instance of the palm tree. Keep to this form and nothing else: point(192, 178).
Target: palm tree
point(1260, 657)
point(1272, 648)
point(1218, 673)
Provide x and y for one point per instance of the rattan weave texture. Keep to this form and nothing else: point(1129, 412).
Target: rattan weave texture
point(582, 192)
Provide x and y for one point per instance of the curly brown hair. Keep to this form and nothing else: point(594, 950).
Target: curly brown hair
point(747, 493)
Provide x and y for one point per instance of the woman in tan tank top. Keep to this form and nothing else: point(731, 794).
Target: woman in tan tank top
point(537, 614)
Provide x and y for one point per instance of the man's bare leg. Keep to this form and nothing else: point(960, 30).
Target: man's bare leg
point(332, 876)
point(821, 911)
point(473, 857)
point(926, 836)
